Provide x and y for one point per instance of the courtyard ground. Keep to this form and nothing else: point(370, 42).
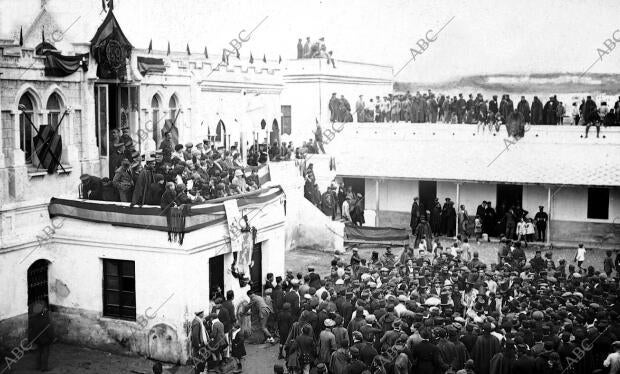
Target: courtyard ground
point(69, 359)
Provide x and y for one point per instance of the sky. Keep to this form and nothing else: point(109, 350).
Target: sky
point(484, 37)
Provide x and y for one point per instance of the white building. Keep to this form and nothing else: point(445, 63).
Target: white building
point(575, 179)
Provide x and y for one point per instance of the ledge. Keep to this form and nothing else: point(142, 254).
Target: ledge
point(39, 173)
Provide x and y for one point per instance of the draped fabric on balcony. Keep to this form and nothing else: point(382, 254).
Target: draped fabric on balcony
point(58, 65)
point(196, 216)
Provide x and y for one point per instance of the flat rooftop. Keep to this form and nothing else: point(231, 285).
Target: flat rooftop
point(546, 155)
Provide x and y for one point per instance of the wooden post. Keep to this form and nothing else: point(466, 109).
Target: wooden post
point(548, 237)
point(458, 207)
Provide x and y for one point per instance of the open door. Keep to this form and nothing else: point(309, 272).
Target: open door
point(256, 271)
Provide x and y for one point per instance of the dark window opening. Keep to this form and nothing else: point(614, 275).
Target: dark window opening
point(598, 203)
point(119, 289)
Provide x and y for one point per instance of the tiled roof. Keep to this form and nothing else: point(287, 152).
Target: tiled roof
point(549, 159)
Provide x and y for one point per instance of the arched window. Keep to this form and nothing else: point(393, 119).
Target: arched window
point(26, 117)
point(54, 108)
point(173, 106)
point(155, 125)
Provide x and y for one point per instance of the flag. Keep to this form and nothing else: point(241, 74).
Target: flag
point(21, 37)
point(238, 55)
point(188, 52)
point(206, 53)
point(150, 46)
point(42, 34)
point(168, 53)
point(251, 58)
point(110, 5)
point(280, 60)
point(103, 6)
point(264, 58)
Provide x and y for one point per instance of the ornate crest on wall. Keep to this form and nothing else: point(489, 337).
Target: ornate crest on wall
point(111, 49)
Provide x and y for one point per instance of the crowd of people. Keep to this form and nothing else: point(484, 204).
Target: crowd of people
point(508, 221)
point(177, 174)
point(443, 310)
point(429, 107)
point(315, 49)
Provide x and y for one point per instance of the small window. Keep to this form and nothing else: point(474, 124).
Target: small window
point(26, 119)
point(598, 203)
point(53, 110)
point(173, 107)
point(119, 289)
point(155, 125)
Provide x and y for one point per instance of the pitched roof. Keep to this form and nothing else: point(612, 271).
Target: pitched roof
point(457, 153)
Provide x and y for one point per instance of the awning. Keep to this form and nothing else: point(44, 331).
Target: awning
point(151, 65)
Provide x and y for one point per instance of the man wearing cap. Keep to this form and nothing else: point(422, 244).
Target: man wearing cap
point(327, 342)
point(541, 219)
point(123, 181)
point(199, 340)
point(293, 298)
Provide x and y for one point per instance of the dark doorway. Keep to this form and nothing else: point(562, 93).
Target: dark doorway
point(359, 186)
point(256, 271)
point(428, 193)
point(37, 285)
point(216, 274)
point(508, 195)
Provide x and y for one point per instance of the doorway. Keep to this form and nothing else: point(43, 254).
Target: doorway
point(428, 193)
point(216, 274)
point(358, 185)
point(508, 195)
point(37, 279)
point(256, 271)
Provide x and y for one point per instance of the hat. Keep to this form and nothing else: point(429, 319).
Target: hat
point(238, 173)
point(199, 312)
point(189, 145)
point(329, 323)
point(339, 281)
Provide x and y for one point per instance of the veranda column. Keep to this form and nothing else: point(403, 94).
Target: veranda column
point(377, 202)
point(458, 205)
point(548, 238)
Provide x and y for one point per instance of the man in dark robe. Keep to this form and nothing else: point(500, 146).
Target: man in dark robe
point(480, 209)
point(436, 217)
point(143, 184)
point(444, 217)
point(536, 112)
point(485, 348)
point(549, 113)
point(541, 219)
point(416, 212)
point(346, 109)
point(508, 108)
point(493, 108)
point(461, 107)
point(488, 220)
point(333, 107)
point(423, 230)
point(451, 220)
point(524, 108)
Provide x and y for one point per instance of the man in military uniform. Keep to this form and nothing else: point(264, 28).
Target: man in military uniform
point(541, 219)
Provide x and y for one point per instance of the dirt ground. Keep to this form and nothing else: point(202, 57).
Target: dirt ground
point(69, 359)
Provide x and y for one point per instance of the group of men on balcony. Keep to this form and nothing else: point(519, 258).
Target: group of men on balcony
point(184, 175)
point(315, 50)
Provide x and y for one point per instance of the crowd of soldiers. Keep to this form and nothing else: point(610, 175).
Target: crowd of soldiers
point(445, 311)
point(429, 107)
